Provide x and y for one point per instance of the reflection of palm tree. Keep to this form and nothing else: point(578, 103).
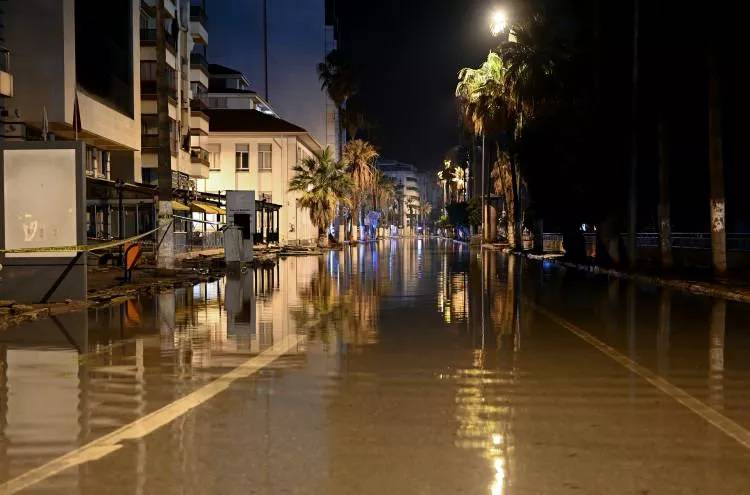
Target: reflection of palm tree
point(323, 182)
point(346, 310)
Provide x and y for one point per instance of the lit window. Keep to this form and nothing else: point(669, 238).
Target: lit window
point(242, 156)
point(264, 156)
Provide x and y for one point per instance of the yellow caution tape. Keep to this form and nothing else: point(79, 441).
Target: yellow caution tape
point(83, 247)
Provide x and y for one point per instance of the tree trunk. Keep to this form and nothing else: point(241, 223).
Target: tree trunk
point(322, 237)
point(716, 169)
point(633, 175)
point(165, 256)
point(516, 241)
point(665, 228)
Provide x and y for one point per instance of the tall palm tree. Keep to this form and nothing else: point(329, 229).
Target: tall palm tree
point(716, 174)
point(359, 158)
point(165, 257)
point(425, 208)
point(337, 79)
point(323, 183)
point(532, 60)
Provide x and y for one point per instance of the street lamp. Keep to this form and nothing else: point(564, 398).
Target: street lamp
point(498, 22)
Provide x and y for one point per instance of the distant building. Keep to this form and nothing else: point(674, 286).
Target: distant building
point(230, 89)
point(283, 43)
point(408, 195)
point(429, 189)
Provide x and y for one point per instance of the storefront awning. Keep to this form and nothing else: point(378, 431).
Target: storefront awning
point(206, 208)
point(177, 206)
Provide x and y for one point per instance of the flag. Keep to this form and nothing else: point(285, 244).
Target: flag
point(45, 123)
point(76, 116)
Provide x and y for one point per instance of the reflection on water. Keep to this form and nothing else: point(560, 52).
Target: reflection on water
point(427, 322)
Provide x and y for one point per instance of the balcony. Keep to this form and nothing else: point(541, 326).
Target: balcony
point(198, 23)
point(199, 155)
point(150, 144)
point(148, 90)
point(148, 38)
point(6, 78)
point(199, 61)
point(199, 123)
point(150, 6)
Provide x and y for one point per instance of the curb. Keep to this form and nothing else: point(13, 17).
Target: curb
point(693, 287)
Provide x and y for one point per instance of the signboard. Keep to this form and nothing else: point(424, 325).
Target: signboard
point(241, 213)
point(40, 206)
point(43, 208)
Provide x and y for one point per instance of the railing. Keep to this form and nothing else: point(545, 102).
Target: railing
point(738, 242)
point(151, 141)
point(198, 14)
point(198, 59)
point(4, 59)
point(198, 154)
point(149, 36)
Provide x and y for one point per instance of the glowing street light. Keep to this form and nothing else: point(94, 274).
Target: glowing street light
point(498, 22)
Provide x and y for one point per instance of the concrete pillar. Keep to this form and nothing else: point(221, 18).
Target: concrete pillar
point(165, 257)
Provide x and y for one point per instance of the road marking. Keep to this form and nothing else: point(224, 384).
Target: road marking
point(141, 427)
point(711, 415)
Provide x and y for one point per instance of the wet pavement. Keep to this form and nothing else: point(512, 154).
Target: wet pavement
point(413, 366)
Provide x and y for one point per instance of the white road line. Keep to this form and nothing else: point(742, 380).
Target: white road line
point(711, 415)
point(143, 426)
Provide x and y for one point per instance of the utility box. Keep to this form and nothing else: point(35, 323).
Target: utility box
point(241, 216)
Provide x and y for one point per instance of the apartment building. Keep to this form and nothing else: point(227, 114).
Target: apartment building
point(406, 177)
point(6, 77)
point(81, 73)
point(186, 47)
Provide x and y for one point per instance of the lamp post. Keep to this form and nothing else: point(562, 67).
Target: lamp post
point(498, 25)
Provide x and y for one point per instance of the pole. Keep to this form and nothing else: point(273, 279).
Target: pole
point(633, 176)
point(484, 197)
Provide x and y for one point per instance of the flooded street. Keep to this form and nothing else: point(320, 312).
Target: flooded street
point(412, 366)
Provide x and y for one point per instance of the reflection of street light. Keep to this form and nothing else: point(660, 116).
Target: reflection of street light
point(498, 22)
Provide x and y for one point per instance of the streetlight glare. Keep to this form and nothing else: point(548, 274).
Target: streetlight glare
point(498, 22)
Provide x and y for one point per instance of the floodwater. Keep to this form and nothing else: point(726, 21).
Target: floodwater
point(402, 367)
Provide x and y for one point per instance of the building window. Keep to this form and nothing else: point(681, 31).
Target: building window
point(217, 102)
point(214, 157)
point(242, 156)
point(264, 156)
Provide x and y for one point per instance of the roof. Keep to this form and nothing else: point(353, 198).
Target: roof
point(241, 120)
point(216, 69)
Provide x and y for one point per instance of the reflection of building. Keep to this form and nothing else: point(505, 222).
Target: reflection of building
point(407, 189)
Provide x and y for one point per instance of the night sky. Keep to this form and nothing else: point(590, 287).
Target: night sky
point(407, 53)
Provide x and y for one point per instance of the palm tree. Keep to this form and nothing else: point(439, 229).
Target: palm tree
point(359, 158)
point(323, 183)
point(384, 194)
point(532, 60)
point(425, 208)
point(336, 78)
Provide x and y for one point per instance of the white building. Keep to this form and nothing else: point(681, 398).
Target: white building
point(407, 189)
point(251, 150)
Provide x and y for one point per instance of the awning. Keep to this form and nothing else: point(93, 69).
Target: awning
point(206, 208)
point(177, 206)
